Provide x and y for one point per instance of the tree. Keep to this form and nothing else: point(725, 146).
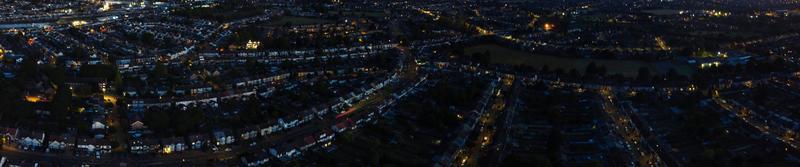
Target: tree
point(78, 53)
point(672, 74)
point(282, 42)
point(574, 73)
point(644, 74)
point(601, 71)
point(188, 121)
point(554, 143)
point(117, 79)
point(481, 58)
point(520, 160)
point(61, 101)
point(29, 67)
point(148, 38)
point(545, 69)
point(157, 120)
point(97, 71)
point(591, 69)
point(56, 74)
point(14, 109)
point(158, 72)
point(252, 65)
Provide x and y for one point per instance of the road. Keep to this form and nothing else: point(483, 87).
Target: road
point(455, 154)
point(486, 128)
point(757, 121)
point(628, 130)
point(502, 136)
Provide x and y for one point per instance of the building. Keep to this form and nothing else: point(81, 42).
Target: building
point(93, 146)
point(284, 152)
point(174, 144)
point(144, 146)
point(198, 141)
point(720, 58)
point(223, 137)
point(30, 140)
point(248, 133)
point(60, 143)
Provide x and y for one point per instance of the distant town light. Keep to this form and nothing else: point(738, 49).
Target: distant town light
point(167, 150)
point(549, 26)
point(106, 6)
point(110, 98)
point(483, 31)
point(78, 23)
point(33, 99)
point(31, 41)
point(710, 64)
point(252, 44)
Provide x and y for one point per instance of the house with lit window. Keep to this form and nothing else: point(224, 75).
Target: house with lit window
point(290, 122)
point(284, 151)
point(144, 146)
point(269, 128)
point(308, 142)
point(8, 134)
point(223, 137)
point(198, 141)
point(248, 133)
point(174, 144)
point(342, 126)
point(60, 143)
point(259, 158)
point(30, 140)
point(93, 146)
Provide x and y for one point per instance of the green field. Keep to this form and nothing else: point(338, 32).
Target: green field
point(294, 20)
point(630, 68)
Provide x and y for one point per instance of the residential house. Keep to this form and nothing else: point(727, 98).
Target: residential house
point(8, 134)
point(174, 144)
point(290, 122)
point(30, 140)
point(93, 146)
point(308, 142)
point(198, 141)
point(284, 152)
point(342, 126)
point(248, 133)
point(223, 137)
point(325, 137)
point(58, 143)
point(144, 146)
point(269, 128)
point(260, 158)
